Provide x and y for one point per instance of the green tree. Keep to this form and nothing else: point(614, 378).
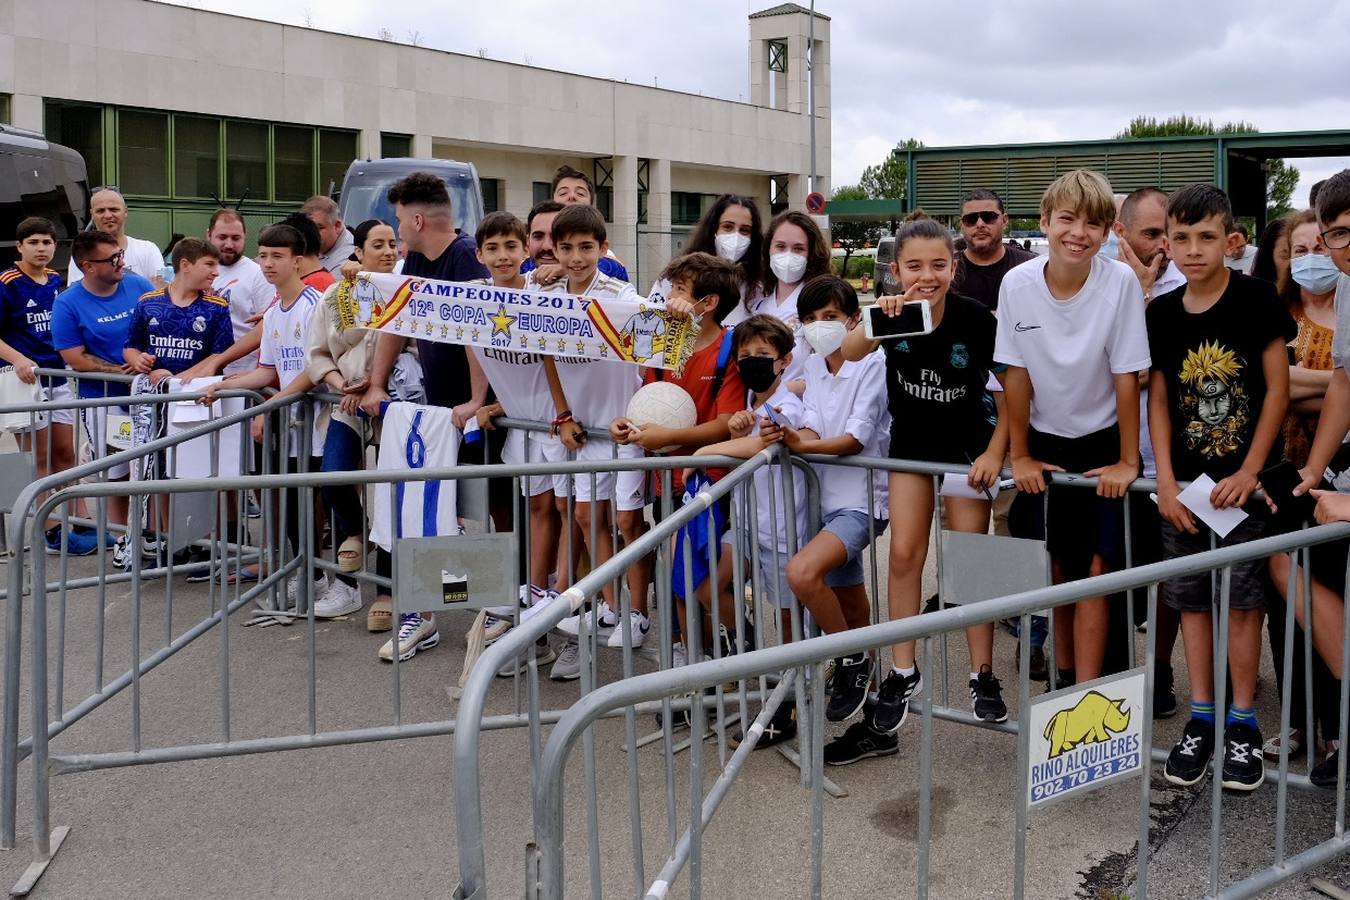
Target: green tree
point(888, 179)
point(1281, 178)
point(852, 236)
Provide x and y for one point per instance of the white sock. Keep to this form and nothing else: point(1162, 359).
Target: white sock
point(904, 673)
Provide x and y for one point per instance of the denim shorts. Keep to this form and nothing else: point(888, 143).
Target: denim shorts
point(856, 533)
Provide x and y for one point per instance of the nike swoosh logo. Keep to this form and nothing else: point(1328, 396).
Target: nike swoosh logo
point(1020, 327)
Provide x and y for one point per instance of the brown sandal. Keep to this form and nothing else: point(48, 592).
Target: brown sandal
point(349, 555)
point(380, 616)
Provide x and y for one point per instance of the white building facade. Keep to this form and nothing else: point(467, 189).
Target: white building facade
point(179, 106)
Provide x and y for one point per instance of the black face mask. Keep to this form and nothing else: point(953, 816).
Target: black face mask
point(757, 373)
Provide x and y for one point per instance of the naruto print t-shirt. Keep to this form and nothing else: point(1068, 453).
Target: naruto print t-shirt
point(1212, 364)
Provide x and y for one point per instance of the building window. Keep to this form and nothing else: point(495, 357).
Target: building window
point(81, 129)
point(393, 146)
point(543, 190)
point(246, 160)
point(6, 108)
point(604, 201)
point(143, 153)
point(196, 156)
point(686, 207)
point(778, 56)
point(337, 149)
point(293, 162)
point(492, 200)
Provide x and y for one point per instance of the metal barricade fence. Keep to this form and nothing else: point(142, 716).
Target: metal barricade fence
point(802, 669)
point(49, 635)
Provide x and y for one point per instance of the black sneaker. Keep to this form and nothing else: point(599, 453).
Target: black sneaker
point(893, 701)
point(848, 690)
point(1324, 773)
point(1243, 766)
point(1164, 696)
point(859, 742)
point(986, 696)
point(1190, 756)
point(781, 727)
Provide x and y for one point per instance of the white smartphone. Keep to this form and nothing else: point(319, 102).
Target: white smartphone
point(915, 318)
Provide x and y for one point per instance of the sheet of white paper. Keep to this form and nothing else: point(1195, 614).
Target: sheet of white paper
point(1196, 498)
point(954, 485)
point(185, 411)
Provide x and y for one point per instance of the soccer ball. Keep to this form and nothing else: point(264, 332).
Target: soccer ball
point(662, 403)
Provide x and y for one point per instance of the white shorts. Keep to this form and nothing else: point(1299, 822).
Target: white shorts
point(627, 489)
point(524, 447)
point(95, 420)
point(59, 392)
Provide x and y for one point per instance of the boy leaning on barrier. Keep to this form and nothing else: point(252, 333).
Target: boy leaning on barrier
point(1329, 458)
point(28, 291)
point(845, 414)
point(1218, 393)
point(1071, 332)
point(763, 350)
point(705, 288)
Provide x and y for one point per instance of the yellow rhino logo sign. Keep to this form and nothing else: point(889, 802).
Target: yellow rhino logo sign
point(1092, 720)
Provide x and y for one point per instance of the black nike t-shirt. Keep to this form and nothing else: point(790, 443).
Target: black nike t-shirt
point(1212, 365)
point(941, 410)
point(445, 367)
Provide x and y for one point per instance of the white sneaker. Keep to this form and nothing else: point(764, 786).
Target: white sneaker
point(679, 655)
point(568, 666)
point(521, 664)
point(529, 595)
point(293, 590)
point(500, 619)
point(494, 627)
point(638, 626)
point(600, 613)
point(339, 600)
point(414, 633)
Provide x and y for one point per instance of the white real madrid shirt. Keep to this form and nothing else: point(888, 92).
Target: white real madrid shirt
point(284, 346)
point(415, 437)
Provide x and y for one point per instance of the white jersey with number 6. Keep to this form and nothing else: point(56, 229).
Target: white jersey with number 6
point(415, 437)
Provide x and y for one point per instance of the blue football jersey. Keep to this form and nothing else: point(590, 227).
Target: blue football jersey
point(180, 336)
point(26, 315)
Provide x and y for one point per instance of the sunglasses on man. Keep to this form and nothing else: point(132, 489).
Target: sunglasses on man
point(987, 216)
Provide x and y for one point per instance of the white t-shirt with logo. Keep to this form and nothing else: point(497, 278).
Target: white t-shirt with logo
point(284, 346)
point(1072, 348)
point(246, 288)
point(598, 390)
point(142, 257)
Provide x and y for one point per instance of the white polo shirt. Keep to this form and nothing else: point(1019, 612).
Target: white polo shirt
point(853, 402)
point(243, 284)
point(1072, 348)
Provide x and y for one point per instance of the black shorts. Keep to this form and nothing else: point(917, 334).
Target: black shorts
point(1081, 525)
point(1327, 562)
point(926, 447)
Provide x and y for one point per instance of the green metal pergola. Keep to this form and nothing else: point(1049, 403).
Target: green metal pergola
point(940, 176)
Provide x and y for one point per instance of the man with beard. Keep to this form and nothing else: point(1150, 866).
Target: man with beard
point(240, 281)
point(980, 267)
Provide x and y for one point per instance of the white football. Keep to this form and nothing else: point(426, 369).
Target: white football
point(662, 403)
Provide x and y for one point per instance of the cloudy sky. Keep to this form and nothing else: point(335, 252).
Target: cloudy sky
point(977, 72)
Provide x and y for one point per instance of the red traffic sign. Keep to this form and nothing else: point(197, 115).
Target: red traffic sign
point(815, 203)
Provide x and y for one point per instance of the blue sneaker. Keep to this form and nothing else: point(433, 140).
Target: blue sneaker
point(109, 537)
point(77, 544)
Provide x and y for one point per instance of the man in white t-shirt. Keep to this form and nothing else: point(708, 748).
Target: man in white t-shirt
point(1239, 259)
point(240, 280)
point(335, 241)
point(108, 212)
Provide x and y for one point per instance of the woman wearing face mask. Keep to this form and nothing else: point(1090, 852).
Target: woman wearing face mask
point(794, 252)
point(732, 230)
point(1308, 287)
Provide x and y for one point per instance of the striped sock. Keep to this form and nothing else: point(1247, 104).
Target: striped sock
point(1203, 711)
point(1238, 714)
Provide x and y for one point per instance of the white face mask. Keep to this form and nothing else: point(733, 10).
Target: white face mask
point(732, 246)
point(825, 337)
point(788, 267)
point(1315, 271)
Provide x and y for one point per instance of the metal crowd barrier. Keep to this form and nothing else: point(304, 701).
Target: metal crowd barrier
point(52, 714)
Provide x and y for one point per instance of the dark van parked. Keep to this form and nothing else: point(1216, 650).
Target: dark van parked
point(38, 178)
